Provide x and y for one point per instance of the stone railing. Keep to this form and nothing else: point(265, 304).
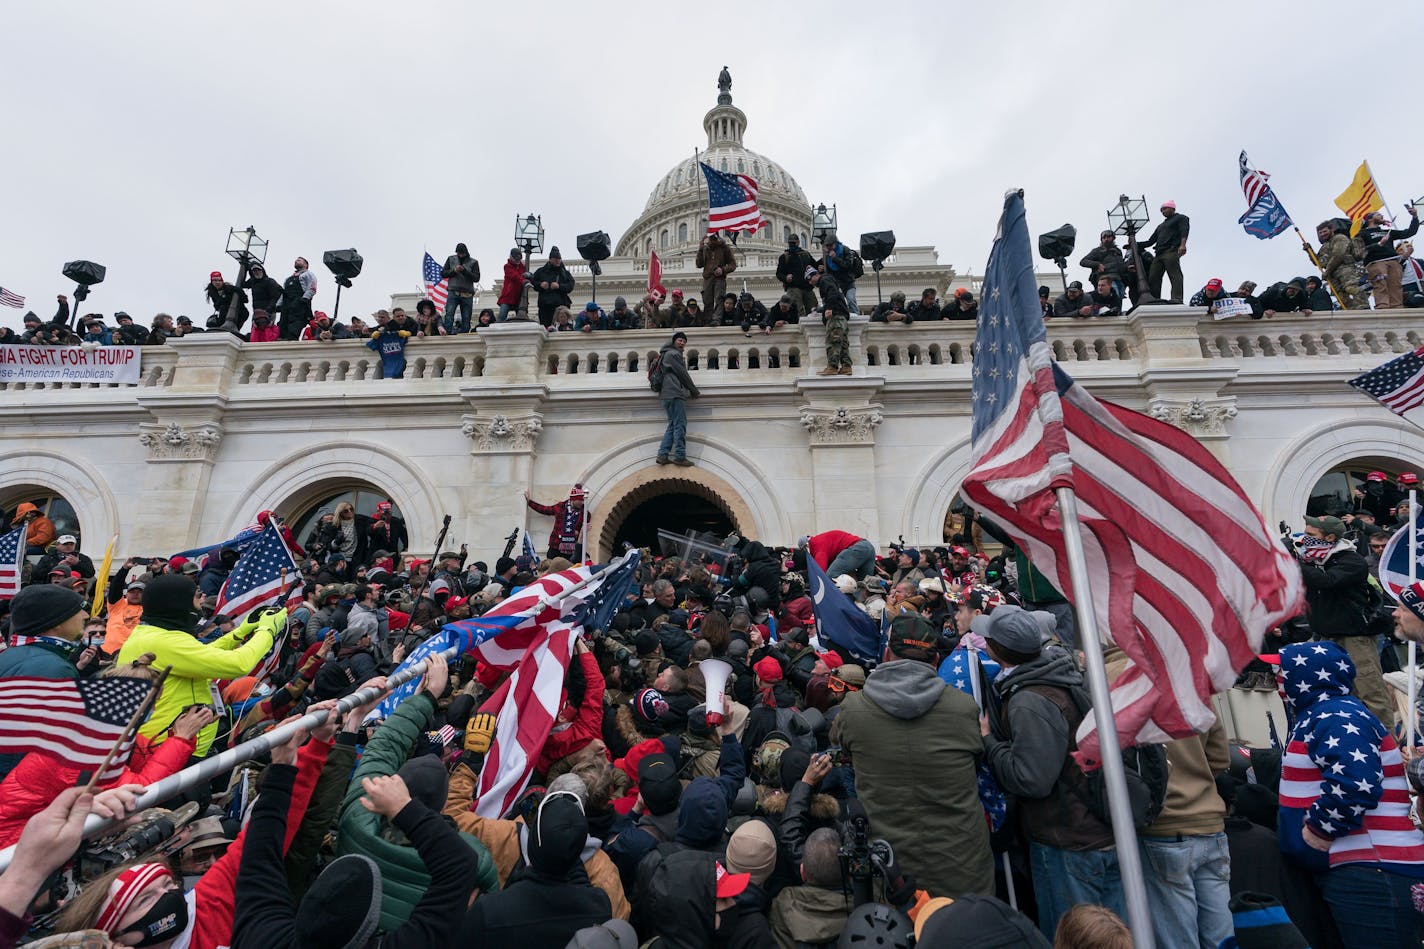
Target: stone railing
point(1175, 338)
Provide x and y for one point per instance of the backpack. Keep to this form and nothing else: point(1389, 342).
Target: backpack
point(857, 265)
point(1144, 766)
point(655, 373)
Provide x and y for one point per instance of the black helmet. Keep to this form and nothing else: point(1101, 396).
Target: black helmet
point(877, 926)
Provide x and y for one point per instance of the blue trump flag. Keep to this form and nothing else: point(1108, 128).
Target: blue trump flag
point(839, 620)
point(1264, 217)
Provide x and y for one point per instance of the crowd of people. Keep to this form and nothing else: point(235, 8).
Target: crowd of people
point(925, 794)
point(1377, 262)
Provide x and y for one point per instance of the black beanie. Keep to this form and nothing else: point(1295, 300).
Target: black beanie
point(325, 919)
point(168, 603)
point(792, 766)
point(426, 779)
point(557, 835)
point(40, 608)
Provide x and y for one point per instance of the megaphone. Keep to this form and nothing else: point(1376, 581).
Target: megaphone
point(716, 672)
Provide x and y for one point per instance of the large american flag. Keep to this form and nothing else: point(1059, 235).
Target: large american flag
point(257, 580)
point(12, 561)
point(76, 721)
point(10, 298)
point(732, 202)
point(437, 288)
point(1398, 385)
point(1184, 576)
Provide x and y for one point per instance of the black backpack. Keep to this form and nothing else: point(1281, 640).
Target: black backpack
point(1144, 766)
point(655, 373)
point(857, 265)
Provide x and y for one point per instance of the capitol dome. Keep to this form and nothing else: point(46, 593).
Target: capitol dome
point(675, 217)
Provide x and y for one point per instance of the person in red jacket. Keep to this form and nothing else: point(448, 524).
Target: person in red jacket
point(564, 538)
point(512, 290)
point(576, 728)
point(839, 552)
point(263, 329)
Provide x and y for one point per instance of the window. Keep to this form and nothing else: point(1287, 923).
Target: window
point(679, 175)
point(364, 498)
point(51, 505)
point(756, 168)
point(741, 166)
point(724, 164)
point(682, 233)
point(663, 238)
point(786, 233)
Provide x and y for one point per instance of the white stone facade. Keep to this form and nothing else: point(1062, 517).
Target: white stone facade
point(219, 429)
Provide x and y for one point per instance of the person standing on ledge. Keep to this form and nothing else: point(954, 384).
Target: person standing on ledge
point(568, 523)
point(836, 313)
point(674, 387)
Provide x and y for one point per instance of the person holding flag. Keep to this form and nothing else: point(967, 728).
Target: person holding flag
point(1382, 260)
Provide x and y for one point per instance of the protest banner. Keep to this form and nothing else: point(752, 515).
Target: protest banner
point(119, 364)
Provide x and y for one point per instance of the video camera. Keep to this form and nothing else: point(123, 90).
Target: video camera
point(865, 859)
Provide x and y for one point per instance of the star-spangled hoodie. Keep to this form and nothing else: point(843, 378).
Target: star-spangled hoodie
point(1342, 774)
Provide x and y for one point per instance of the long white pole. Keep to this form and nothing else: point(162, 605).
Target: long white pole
point(1413, 692)
point(1129, 862)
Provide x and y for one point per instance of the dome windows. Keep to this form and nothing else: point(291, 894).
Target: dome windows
point(663, 238)
point(682, 233)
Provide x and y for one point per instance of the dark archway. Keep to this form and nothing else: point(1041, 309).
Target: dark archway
point(676, 512)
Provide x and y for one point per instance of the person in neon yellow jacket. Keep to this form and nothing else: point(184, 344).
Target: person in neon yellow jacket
point(170, 617)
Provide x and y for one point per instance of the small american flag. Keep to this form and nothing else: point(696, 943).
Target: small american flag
point(436, 286)
point(1398, 385)
point(732, 202)
point(1187, 604)
point(76, 721)
point(12, 561)
point(10, 298)
point(256, 580)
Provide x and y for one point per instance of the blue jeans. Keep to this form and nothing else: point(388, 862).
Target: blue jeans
point(466, 306)
point(1188, 886)
point(674, 444)
point(1064, 878)
point(850, 299)
point(857, 560)
point(1371, 907)
point(504, 309)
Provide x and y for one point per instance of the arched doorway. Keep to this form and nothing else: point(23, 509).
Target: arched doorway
point(673, 503)
point(1333, 493)
point(302, 510)
point(51, 504)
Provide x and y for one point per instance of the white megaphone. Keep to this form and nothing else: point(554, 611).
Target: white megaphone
point(716, 672)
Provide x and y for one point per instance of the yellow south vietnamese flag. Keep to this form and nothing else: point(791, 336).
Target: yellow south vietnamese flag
point(1360, 198)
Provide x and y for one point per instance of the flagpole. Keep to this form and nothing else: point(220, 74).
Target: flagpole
point(101, 586)
point(1124, 833)
point(138, 716)
point(1413, 693)
point(1385, 204)
point(1315, 259)
point(211, 767)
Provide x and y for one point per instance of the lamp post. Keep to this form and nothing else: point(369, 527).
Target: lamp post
point(528, 234)
point(823, 222)
point(246, 248)
point(1127, 217)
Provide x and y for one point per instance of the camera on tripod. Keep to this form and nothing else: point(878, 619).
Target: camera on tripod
point(866, 859)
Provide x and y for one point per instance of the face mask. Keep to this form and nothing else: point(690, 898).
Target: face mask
point(164, 920)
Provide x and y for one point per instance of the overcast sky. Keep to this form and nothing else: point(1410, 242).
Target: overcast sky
point(139, 133)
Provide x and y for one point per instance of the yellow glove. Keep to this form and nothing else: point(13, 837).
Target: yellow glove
point(479, 732)
point(274, 624)
point(376, 334)
point(403, 334)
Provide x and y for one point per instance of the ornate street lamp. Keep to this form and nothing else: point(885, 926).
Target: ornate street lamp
point(1128, 217)
point(823, 222)
point(246, 248)
point(528, 234)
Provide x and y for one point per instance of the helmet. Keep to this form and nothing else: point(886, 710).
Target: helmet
point(877, 926)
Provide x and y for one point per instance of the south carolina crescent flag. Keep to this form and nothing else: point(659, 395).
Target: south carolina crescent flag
point(1360, 198)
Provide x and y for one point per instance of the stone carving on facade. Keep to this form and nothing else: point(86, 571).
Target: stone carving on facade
point(1196, 416)
point(501, 433)
point(842, 426)
point(174, 443)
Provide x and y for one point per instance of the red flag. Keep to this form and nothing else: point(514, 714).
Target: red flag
point(655, 274)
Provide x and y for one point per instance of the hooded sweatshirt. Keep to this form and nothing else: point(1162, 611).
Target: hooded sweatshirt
point(1342, 775)
point(914, 744)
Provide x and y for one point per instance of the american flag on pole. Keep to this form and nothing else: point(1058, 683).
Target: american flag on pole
point(1264, 215)
point(732, 202)
point(528, 702)
point(10, 298)
point(74, 720)
point(655, 273)
point(12, 561)
point(1184, 575)
point(436, 286)
point(1398, 385)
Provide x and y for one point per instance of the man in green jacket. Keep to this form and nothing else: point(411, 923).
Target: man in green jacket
point(914, 744)
point(168, 629)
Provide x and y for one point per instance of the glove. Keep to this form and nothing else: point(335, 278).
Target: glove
point(376, 334)
point(479, 732)
point(403, 334)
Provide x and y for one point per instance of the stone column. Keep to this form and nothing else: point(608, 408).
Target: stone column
point(1183, 387)
point(503, 430)
point(840, 419)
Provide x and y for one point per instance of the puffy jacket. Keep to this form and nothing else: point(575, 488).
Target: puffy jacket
point(264, 334)
point(827, 546)
point(40, 532)
point(196, 665)
point(403, 876)
point(677, 381)
point(915, 743)
point(501, 839)
point(513, 287)
point(39, 778)
point(810, 915)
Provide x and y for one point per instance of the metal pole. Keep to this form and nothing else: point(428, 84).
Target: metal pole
point(336, 311)
point(1413, 693)
point(1129, 863)
point(231, 315)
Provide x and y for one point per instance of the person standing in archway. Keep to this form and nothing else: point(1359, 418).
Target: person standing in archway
point(569, 517)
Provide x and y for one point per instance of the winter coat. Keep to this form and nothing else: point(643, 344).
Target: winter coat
point(1337, 592)
point(404, 877)
point(221, 299)
point(827, 546)
point(883, 312)
point(568, 525)
point(1342, 774)
point(512, 290)
point(915, 743)
point(1169, 235)
point(266, 293)
point(501, 839)
point(808, 914)
point(45, 658)
point(793, 264)
point(270, 333)
point(588, 722)
point(40, 531)
point(677, 381)
point(195, 666)
point(1275, 298)
point(1110, 257)
point(130, 335)
point(564, 285)
point(679, 907)
point(838, 261)
point(833, 298)
point(321, 814)
point(536, 911)
point(1062, 306)
point(797, 814)
point(1379, 241)
point(464, 280)
point(921, 312)
point(39, 778)
point(713, 254)
point(1029, 752)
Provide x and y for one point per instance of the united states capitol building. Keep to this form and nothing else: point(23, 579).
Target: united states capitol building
point(218, 429)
